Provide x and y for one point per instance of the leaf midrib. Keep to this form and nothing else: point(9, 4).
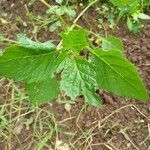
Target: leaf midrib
point(45, 54)
point(81, 72)
point(117, 72)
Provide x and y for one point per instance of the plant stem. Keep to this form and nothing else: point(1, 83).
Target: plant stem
point(84, 10)
point(61, 19)
point(78, 17)
point(45, 3)
point(11, 41)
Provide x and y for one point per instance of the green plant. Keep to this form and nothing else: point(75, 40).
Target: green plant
point(56, 12)
point(38, 64)
point(133, 10)
point(52, 20)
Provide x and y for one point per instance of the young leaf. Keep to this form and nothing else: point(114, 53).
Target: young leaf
point(143, 16)
point(70, 12)
point(43, 91)
point(75, 40)
point(116, 74)
point(112, 43)
point(129, 24)
point(28, 43)
point(134, 27)
point(59, 1)
point(79, 76)
point(61, 10)
point(52, 10)
point(29, 65)
point(54, 26)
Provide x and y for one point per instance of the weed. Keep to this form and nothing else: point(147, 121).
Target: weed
point(36, 64)
point(133, 11)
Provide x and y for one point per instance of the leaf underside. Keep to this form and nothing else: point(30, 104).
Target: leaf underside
point(111, 42)
point(78, 77)
point(28, 43)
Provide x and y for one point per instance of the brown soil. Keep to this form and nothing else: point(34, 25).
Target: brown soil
point(120, 124)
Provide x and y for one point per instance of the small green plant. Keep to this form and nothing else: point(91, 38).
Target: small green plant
point(53, 17)
point(132, 10)
point(58, 11)
point(37, 65)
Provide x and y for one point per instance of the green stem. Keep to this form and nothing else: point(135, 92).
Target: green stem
point(84, 10)
point(78, 17)
point(11, 41)
point(60, 18)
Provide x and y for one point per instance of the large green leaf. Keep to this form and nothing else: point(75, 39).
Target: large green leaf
point(79, 77)
point(29, 65)
point(75, 40)
point(43, 91)
point(112, 43)
point(28, 43)
point(116, 74)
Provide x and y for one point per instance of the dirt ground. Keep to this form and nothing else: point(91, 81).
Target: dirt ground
point(120, 124)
